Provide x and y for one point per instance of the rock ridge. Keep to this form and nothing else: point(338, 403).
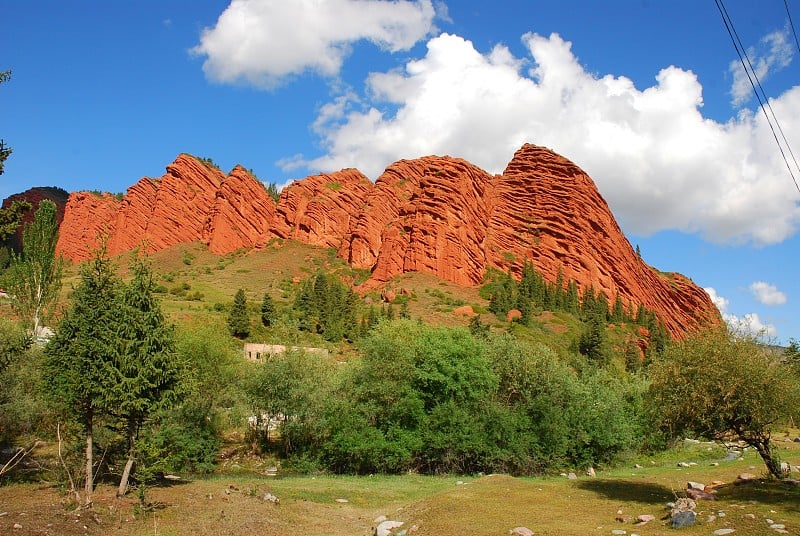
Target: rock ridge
point(436, 214)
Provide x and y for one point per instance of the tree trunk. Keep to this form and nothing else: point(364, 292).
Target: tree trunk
point(770, 458)
point(126, 473)
point(123, 483)
point(89, 487)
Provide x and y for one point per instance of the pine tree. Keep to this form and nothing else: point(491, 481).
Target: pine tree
point(618, 310)
point(267, 310)
point(559, 294)
point(239, 318)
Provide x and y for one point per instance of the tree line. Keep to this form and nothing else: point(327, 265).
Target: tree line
point(154, 397)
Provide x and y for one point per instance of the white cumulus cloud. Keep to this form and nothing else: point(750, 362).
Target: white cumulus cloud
point(774, 52)
point(767, 294)
point(748, 324)
point(659, 163)
point(263, 41)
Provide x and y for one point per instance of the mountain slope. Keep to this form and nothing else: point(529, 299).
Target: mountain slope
point(436, 214)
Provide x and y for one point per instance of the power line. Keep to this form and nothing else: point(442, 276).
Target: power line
point(751, 74)
point(791, 24)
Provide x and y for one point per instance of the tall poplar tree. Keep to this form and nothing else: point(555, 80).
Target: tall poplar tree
point(35, 274)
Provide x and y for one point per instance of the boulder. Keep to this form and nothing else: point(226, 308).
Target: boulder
point(465, 310)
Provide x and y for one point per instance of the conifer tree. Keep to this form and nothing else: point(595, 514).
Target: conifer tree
point(618, 310)
point(572, 300)
point(267, 310)
point(239, 318)
point(592, 340)
point(79, 359)
point(146, 367)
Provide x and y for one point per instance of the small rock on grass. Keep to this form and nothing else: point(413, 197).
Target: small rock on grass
point(685, 518)
point(722, 532)
point(385, 528)
point(521, 531)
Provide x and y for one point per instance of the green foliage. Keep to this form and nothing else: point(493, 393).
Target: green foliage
point(272, 190)
point(24, 411)
point(268, 311)
point(208, 162)
point(112, 357)
point(239, 318)
point(78, 359)
point(792, 355)
point(11, 217)
point(5, 151)
point(398, 413)
point(290, 389)
point(13, 344)
point(21, 409)
point(592, 342)
point(327, 306)
point(34, 279)
point(436, 399)
point(184, 439)
point(188, 257)
point(147, 370)
point(723, 386)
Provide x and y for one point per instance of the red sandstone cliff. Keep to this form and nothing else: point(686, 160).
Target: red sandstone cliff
point(440, 215)
point(320, 209)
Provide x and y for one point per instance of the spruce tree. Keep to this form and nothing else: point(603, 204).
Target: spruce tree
point(239, 318)
point(267, 310)
point(79, 360)
point(404, 310)
point(147, 368)
point(592, 340)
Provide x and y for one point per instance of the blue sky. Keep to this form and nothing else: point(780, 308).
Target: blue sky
point(645, 95)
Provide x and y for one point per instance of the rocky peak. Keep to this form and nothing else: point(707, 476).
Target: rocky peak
point(435, 214)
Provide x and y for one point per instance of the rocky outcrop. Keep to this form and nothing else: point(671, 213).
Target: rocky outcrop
point(191, 201)
point(241, 214)
point(34, 196)
point(545, 209)
point(320, 209)
point(435, 214)
point(87, 217)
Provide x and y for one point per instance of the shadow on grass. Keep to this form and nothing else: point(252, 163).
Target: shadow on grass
point(629, 490)
point(770, 492)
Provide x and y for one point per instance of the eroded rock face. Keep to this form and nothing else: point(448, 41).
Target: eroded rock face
point(440, 215)
point(425, 215)
point(241, 214)
point(87, 217)
point(191, 201)
point(320, 209)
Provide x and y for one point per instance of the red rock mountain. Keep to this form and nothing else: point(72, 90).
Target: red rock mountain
point(35, 196)
point(440, 215)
